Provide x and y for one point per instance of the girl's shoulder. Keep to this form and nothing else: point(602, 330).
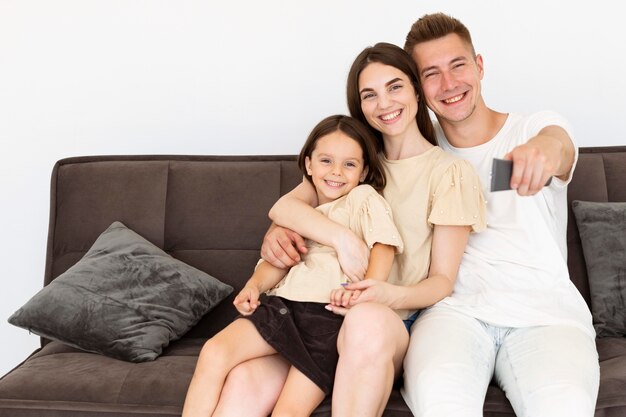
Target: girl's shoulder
point(365, 194)
point(362, 192)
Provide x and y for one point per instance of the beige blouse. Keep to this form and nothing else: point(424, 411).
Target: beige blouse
point(368, 215)
point(423, 191)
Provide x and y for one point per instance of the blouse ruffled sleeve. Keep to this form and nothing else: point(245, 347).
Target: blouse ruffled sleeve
point(375, 219)
point(458, 198)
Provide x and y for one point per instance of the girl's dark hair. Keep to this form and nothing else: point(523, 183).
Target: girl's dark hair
point(394, 56)
point(355, 130)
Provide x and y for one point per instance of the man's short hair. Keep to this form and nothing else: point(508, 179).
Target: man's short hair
point(435, 26)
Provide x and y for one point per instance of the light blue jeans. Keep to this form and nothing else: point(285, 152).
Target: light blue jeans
point(546, 371)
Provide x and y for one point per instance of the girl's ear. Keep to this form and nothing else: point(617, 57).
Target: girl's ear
point(363, 174)
point(307, 164)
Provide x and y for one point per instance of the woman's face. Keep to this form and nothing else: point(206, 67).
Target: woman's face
point(388, 99)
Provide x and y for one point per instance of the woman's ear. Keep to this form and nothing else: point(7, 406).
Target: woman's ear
point(363, 174)
point(307, 164)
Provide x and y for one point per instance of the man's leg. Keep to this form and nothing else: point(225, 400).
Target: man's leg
point(549, 371)
point(253, 387)
point(371, 344)
point(448, 366)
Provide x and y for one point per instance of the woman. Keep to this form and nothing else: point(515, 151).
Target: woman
point(436, 201)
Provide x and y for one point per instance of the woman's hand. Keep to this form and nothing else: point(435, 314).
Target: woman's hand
point(353, 255)
point(282, 247)
point(247, 300)
point(366, 291)
point(375, 291)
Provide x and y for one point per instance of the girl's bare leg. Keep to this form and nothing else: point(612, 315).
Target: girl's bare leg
point(253, 387)
point(237, 343)
point(372, 343)
point(299, 397)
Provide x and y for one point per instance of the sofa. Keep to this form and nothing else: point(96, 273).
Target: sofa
point(210, 212)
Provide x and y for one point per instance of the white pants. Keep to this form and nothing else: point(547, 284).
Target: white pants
point(546, 371)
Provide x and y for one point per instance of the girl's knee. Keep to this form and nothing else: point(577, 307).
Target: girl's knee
point(242, 375)
point(261, 377)
point(212, 356)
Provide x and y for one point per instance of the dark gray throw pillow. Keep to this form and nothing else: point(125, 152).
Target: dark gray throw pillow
point(125, 298)
point(602, 229)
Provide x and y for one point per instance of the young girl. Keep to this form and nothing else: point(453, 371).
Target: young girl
point(293, 319)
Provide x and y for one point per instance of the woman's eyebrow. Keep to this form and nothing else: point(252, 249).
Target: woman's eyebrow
point(387, 84)
point(393, 81)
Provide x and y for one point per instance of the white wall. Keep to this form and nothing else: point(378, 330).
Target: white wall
point(248, 77)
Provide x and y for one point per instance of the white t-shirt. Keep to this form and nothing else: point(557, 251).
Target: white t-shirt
point(514, 274)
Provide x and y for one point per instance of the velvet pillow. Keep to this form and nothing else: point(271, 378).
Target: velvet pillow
point(602, 229)
point(125, 298)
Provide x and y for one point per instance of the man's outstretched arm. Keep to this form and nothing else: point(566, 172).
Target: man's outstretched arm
point(550, 153)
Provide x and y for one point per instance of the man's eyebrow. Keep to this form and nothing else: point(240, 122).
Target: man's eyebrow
point(452, 62)
point(432, 67)
point(457, 59)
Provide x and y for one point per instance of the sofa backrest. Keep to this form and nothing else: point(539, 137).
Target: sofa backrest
point(208, 211)
point(211, 211)
point(600, 176)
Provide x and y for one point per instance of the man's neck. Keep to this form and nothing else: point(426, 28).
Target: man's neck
point(480, 127)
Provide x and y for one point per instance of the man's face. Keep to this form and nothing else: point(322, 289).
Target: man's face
point(450, 76)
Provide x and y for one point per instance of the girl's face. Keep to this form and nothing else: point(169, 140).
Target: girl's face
point(336, 166)
point(388, 99)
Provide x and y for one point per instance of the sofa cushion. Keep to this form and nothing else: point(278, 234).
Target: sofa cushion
point(125, 298)
point(602, 229)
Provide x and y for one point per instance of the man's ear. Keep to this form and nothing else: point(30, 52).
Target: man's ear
point(307, 164)
point(363, 174)
point(479, 64)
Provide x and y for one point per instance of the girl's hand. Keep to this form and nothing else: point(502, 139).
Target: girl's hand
point(341, 297)
point(353, 255)
point(247, 300)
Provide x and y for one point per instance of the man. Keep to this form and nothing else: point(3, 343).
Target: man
point(514, 314)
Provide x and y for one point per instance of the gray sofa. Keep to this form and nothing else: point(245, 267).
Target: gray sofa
point(211, 212)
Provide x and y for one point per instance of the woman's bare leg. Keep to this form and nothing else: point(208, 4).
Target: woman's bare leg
point(372, 343)
point(237, 343)
point(299, 397)
point(253, 387)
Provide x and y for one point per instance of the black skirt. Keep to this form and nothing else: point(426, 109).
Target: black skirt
point(304, 333)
